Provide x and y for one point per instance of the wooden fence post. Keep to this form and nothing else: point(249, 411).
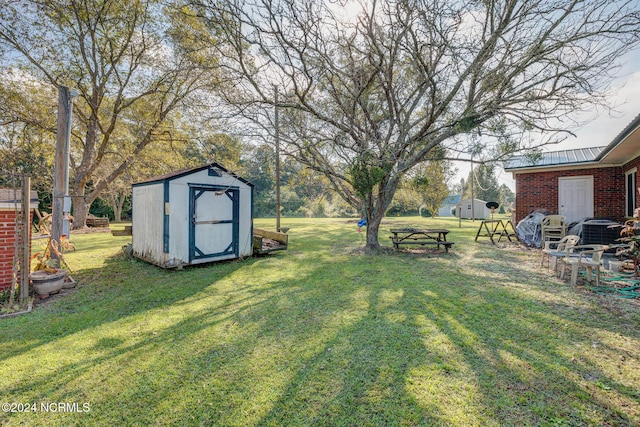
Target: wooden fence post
point(25, 253)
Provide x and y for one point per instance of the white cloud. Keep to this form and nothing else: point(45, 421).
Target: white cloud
point(604, 127)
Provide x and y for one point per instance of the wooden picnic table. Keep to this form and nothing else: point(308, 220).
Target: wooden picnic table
point(496, 227)
point(419, 236)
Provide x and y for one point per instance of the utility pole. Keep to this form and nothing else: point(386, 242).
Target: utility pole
point(277, 137)
point(66, 210)
point(473, 204)
point(61, 201)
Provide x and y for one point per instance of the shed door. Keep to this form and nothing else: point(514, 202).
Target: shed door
point(575, 197)
point(215, 222)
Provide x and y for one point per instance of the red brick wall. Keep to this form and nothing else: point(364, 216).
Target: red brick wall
point(7, 243)
point(540, 191)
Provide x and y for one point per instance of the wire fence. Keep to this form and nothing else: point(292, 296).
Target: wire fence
point(15, 223)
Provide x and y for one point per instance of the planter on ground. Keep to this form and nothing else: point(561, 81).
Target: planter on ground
point(45, 283)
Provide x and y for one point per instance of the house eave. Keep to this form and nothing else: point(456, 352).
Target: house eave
point(561, 167)
point(620, 151)
point(624, 145)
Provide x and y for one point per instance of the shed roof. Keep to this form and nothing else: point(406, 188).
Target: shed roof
point(452, 200)
point(182, 172)
point(475, 199)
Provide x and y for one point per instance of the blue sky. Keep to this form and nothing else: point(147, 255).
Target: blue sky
point(602, 126)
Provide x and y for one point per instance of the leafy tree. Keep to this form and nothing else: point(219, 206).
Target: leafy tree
point(485, 184)
point(373, 97)
point(259, 167)
point(26, 142)
point(431, 182)
point(134, 64)
point(406, 201)
point(486, 187)
point(506, 197)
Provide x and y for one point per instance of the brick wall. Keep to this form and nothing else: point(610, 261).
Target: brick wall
point(540, 191)
point(635, 163)
point(7, 242)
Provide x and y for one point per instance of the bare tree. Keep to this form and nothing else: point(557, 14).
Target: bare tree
point(373, 96)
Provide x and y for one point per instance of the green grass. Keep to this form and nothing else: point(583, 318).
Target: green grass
point(323, 334)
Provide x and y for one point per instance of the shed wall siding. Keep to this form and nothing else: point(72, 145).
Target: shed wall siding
point(148, 222)
point(480, 209)
point(540, 191)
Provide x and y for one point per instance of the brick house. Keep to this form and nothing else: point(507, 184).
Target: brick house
point(598, 182)
point(10, 210)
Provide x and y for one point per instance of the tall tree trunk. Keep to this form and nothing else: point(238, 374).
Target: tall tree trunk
point(80, 212)
point(375, 210)
point(373, 226)
point(117, 208)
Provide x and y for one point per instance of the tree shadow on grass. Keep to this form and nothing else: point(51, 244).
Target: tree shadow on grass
point(521, 372)
point(364, 341)
point(502, 351)
point(121, 288)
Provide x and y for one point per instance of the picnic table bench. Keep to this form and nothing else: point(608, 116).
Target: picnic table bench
point(93, 221)
point(419, 236)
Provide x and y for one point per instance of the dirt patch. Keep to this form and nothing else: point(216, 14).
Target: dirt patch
point(89, 230)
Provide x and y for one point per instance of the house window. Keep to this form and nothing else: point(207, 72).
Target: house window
point(632, 184)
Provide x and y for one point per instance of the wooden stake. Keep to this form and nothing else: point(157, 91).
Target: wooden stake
point(277, 134)
point(25, 253)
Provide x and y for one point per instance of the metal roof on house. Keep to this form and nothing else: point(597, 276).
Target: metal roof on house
point(556, 158)
point(622, 149)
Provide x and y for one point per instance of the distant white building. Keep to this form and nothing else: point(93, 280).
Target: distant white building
point(449, 205)
point(480, 210)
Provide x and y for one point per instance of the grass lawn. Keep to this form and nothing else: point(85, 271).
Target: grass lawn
point(323, 334)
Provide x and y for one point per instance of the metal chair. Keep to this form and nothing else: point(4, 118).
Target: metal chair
point(554, 227)
point(587, 256)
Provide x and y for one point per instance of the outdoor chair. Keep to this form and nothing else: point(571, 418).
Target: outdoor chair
point(554, 227)
point(588, 257)
point(554, 250)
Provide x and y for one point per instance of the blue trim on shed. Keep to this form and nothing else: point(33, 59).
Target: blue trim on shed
point(165, 224)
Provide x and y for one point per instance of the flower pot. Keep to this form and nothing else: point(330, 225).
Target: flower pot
point(47, 283)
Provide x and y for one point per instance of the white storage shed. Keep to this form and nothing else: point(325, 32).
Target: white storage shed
point(480, 209)
point(192, 216)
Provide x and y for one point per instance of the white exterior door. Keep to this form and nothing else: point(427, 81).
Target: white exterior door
point(575, 197)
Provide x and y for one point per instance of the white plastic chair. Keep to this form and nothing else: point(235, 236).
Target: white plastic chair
point(557, 249)
point(587, 256)
point(554, 227)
